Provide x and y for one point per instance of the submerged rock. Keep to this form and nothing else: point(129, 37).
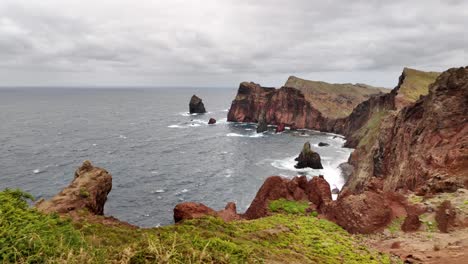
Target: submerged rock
point(88, 190)
point(212, 121)
point(196, 105)
point(308, 158)
point(322, 144)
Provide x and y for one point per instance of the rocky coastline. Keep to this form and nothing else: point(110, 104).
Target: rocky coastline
point(410, 165)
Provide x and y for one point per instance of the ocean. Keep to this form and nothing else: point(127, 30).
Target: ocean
point(158, 154)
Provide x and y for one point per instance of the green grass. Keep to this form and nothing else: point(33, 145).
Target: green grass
point(395, 225)
point(289, 207)
point(370, 131)
point(28, 236)
point(416, 83)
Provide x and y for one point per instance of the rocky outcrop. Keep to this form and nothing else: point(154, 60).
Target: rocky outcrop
point(88, 190)
point(361, 213)
point(262, 125)
point(446, 216)
point(196, 105)
point(191, 210)
point(411, 223)
point(421, 147)
point(308, 158)
point(316, 191)
point(323, 144)
point(286, 106)
point(212, 121)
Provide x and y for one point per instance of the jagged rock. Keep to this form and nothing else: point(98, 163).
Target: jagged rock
point(308, 158)
point(445, 216)
point(316, 191)
point(196, 105)
point(411, 223)
point(191, 210)
point(211, 121)
point(88, 190)
point(322, 144)
point(280, 128)
point(262, 125)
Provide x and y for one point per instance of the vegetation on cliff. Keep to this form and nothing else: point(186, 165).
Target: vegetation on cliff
point(28, 236)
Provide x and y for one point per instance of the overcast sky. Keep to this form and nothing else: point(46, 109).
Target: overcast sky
point(219, 43)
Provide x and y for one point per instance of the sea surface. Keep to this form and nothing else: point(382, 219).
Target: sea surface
point(158, 154)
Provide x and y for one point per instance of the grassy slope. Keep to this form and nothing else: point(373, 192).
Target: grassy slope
point(326, 96)
point(416, 83)
point(293, 237)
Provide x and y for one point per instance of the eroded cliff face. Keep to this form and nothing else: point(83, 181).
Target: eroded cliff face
point(423, 146)
point(286, 106)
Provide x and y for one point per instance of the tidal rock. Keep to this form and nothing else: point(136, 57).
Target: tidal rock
point(280, 128)
point(196, 105)
point(322, 144)
point(411, 223)
point(445, 216)
point(88, 190)
point(335, 190)
point(308, 158)
point(211, 121)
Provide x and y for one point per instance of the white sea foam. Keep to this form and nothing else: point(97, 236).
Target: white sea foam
point(36, 171)
point(160, 191)
point(255, 135)
point(122, 137)
point(175, 126)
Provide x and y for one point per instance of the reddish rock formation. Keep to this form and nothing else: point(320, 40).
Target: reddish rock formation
point(411, 223)
point(191, 210)
point(308, 158)
point(211, 121)
point(445, 216)
point(280, 128)
point(422, 146)
point(360, 213)
point(286, 106)
point(196, 105)
point(88, 190)
point(316, 190)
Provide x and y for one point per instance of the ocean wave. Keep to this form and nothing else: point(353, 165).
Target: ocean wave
point(256, 135)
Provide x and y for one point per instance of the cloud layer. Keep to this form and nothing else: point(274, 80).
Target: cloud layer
point(219, 43)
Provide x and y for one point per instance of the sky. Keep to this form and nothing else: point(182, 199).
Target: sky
point(220, 43)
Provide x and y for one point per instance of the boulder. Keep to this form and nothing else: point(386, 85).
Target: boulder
point(191, 210)
point(445, 216)
point(364, 213)
point(322, 144)
point(308, 158)
point(318, 191)
point(88, 190)
point(280, 128)
point(196, 105)
point(411, 223)
point(212, 121)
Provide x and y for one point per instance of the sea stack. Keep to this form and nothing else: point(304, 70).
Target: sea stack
point(196, 105)
point(308, 158)
point(262, 125)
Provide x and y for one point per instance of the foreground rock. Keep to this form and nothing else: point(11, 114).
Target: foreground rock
point(316, 191)
point(196, 105)
point(212, 121)
point(191, 210)
point(308, 158)
point(88, 190)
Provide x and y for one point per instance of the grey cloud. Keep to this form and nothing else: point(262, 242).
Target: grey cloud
point(152, 43)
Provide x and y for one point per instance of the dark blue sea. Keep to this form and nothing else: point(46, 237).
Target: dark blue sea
point(158, 154)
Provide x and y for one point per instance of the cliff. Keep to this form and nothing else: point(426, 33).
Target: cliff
point(421, 146)
point(299, 104)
